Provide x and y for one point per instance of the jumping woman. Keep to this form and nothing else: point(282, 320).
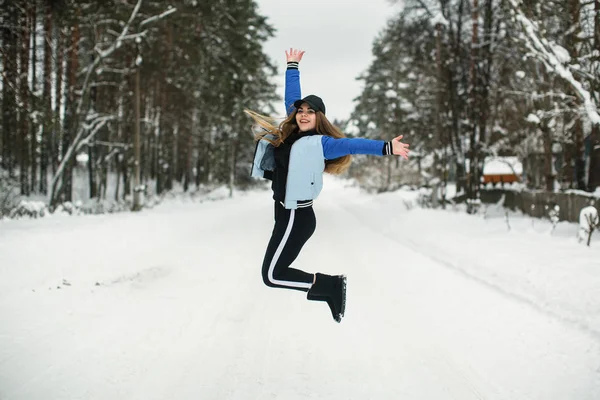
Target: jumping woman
point(294, 155)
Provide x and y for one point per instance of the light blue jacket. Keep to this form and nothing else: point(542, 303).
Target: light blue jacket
point(308, 154)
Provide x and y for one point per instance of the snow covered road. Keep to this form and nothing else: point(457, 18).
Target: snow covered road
point(169, 304)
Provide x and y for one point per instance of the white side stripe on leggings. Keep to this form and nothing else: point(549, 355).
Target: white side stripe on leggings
point(286, 235)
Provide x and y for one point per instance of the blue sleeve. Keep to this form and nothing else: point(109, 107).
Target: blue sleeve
point(292, 89)
point(334, 148)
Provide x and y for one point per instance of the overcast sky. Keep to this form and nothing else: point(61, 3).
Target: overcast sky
point(337, 36)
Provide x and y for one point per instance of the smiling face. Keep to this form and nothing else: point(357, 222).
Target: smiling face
point(306, 118)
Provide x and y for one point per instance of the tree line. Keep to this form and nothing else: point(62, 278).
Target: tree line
point(151, 91)
point(469, 79)
point(154, 92)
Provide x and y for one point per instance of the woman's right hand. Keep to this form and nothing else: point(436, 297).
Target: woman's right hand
point(294, 55)
point(399, 148)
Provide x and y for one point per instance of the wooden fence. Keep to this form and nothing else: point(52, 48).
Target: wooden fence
point(535, 203)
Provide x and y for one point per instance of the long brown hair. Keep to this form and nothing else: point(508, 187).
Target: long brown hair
point(289, 126)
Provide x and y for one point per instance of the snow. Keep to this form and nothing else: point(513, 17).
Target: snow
point(534, 119)
point(169, 303)
point(561, 53)
point(82, 158)
point(502, 166)
point(584, 193)
point(438, 18)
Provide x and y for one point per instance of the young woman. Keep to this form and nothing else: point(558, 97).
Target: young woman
point(294, 155)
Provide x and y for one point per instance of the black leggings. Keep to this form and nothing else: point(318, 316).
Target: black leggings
point(292, 229)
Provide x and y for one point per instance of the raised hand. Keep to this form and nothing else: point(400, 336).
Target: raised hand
point(294, 55)
point(399, 148)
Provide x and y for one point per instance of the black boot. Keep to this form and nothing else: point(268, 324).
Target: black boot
point(326, 299)
point(331, 289)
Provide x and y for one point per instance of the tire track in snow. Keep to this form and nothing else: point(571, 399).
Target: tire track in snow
point(427, 253)
point(458, 348)
point(455, 382)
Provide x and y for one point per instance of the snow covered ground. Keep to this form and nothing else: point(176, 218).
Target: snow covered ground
point(169, 304)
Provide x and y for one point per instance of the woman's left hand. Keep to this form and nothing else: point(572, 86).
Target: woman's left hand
point(399, 148)
point(294, 55)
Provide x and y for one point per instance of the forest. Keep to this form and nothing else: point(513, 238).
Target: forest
point(134, 98)
point(469, 80)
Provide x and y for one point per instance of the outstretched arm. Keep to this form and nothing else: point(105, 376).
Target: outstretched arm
point(334, 148)
point(292, 79)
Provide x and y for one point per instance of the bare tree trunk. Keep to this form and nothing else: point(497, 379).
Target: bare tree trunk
point(440, 109)
point(125, 134)
point(484, 79)
point(233, 156)
point(165, 166)
point(23, 138)
point(71, 121)
point(91, 164)
point(34, 127)
point(147, 138)
point(594, 163)
point(548, 158)
point(189, 150)
point(153, 137)
point(202, 149)
point(455, 101)
point(124, 164)
point(572, 45)
point(118, 182)
point(9, 87)
point(57, 132)
point(47, 96)
point(567, 173)
point(208, 170)
point(473, 187)
point(579, 154)
point(137, 194)
point(158, 139)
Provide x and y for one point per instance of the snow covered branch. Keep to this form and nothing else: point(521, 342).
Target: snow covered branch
point(79, 141)
point(86, 132)
point(157, 17)
point(123, 36)
point(555, 58)
point(93, 129)
point(103, 54)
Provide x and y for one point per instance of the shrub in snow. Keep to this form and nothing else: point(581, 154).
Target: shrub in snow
point(67, 208)
point(424, 199)
point(588, 221)
point(94, 206)
point(28, 208)
point(473, 206)
point(8, 193)
point(553, 215)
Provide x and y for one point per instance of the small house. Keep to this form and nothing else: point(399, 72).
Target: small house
point(502, 170)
